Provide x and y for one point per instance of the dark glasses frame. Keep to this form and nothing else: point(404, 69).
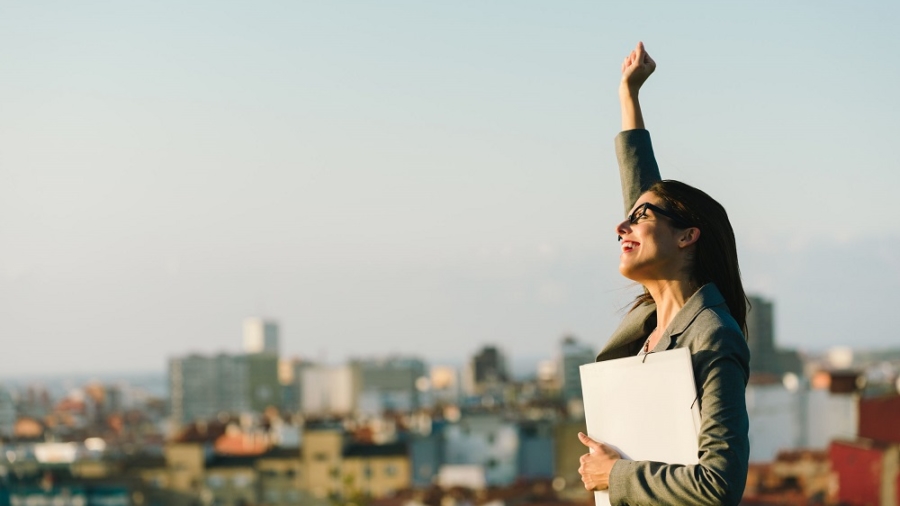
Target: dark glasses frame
point(641, 211)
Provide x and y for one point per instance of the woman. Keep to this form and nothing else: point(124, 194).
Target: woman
point(678, 243)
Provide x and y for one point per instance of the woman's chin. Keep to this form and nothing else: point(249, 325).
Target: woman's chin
point(628, 271)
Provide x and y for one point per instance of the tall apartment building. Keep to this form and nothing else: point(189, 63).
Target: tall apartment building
point(761, 336)
point(263, 387)
point(572, 356)
point(201, 387)
point(486, 370)
point(765, 356)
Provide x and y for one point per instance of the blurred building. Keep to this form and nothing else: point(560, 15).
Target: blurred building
point(485, 440)
point(366, 387)
point(290, 375)
point(260, 336)
point(7, 414)
point(879, 419)
point(761, 336)
point(867, 467)
point(536, 449)
point(765, 356)
point(572, 356)
point(427, 455)
point(833, 411)
point(334, 467)
point(389, 384)
point(567, 450)
point(193, 386)
point(777, 419)
point(202, 387)
point(486, 371)
point(329, 390)
point(34, 401)
point(786, 415)
point(263, 387)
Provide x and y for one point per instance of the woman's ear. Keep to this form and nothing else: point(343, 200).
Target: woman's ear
point(688, 236)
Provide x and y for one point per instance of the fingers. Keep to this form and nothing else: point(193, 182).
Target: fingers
point(638, 58)
point(628, 62)
point(590, 443)
point(585, 477)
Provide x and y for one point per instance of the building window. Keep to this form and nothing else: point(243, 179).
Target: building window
point(390, 470)
point(242, 480)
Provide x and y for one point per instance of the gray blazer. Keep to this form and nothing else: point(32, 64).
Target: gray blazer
point(720, 359)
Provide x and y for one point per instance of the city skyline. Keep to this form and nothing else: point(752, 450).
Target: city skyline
point(429, 178)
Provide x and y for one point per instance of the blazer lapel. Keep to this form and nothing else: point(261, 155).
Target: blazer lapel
point(707, 296)
point(634, 327)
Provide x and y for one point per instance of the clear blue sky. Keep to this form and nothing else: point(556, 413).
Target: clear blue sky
point(423, 177)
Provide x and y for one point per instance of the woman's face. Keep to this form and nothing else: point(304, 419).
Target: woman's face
point(649, 243)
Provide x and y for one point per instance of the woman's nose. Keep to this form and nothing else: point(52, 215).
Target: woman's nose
point(623, 228)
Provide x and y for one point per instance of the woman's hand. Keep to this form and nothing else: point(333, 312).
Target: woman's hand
point(636, 68)
point(596, 464)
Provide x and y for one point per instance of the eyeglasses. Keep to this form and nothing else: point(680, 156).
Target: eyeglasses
point(641, 211)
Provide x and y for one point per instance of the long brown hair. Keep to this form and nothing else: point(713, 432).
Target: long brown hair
point(715, 253)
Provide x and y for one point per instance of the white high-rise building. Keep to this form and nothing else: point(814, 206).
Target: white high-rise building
point(260, 336)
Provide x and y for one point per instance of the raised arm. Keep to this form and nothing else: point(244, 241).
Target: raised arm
point(637, 165)
point(636, 68)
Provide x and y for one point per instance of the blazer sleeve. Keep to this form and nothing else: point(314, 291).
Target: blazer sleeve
point(637, 165)
point(721, 367)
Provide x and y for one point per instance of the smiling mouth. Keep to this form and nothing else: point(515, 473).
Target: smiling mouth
point(629, 245)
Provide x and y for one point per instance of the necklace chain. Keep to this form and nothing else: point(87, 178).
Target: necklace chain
point(647, 342)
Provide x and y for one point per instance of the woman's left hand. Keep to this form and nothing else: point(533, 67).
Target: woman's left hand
point(596, 464)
